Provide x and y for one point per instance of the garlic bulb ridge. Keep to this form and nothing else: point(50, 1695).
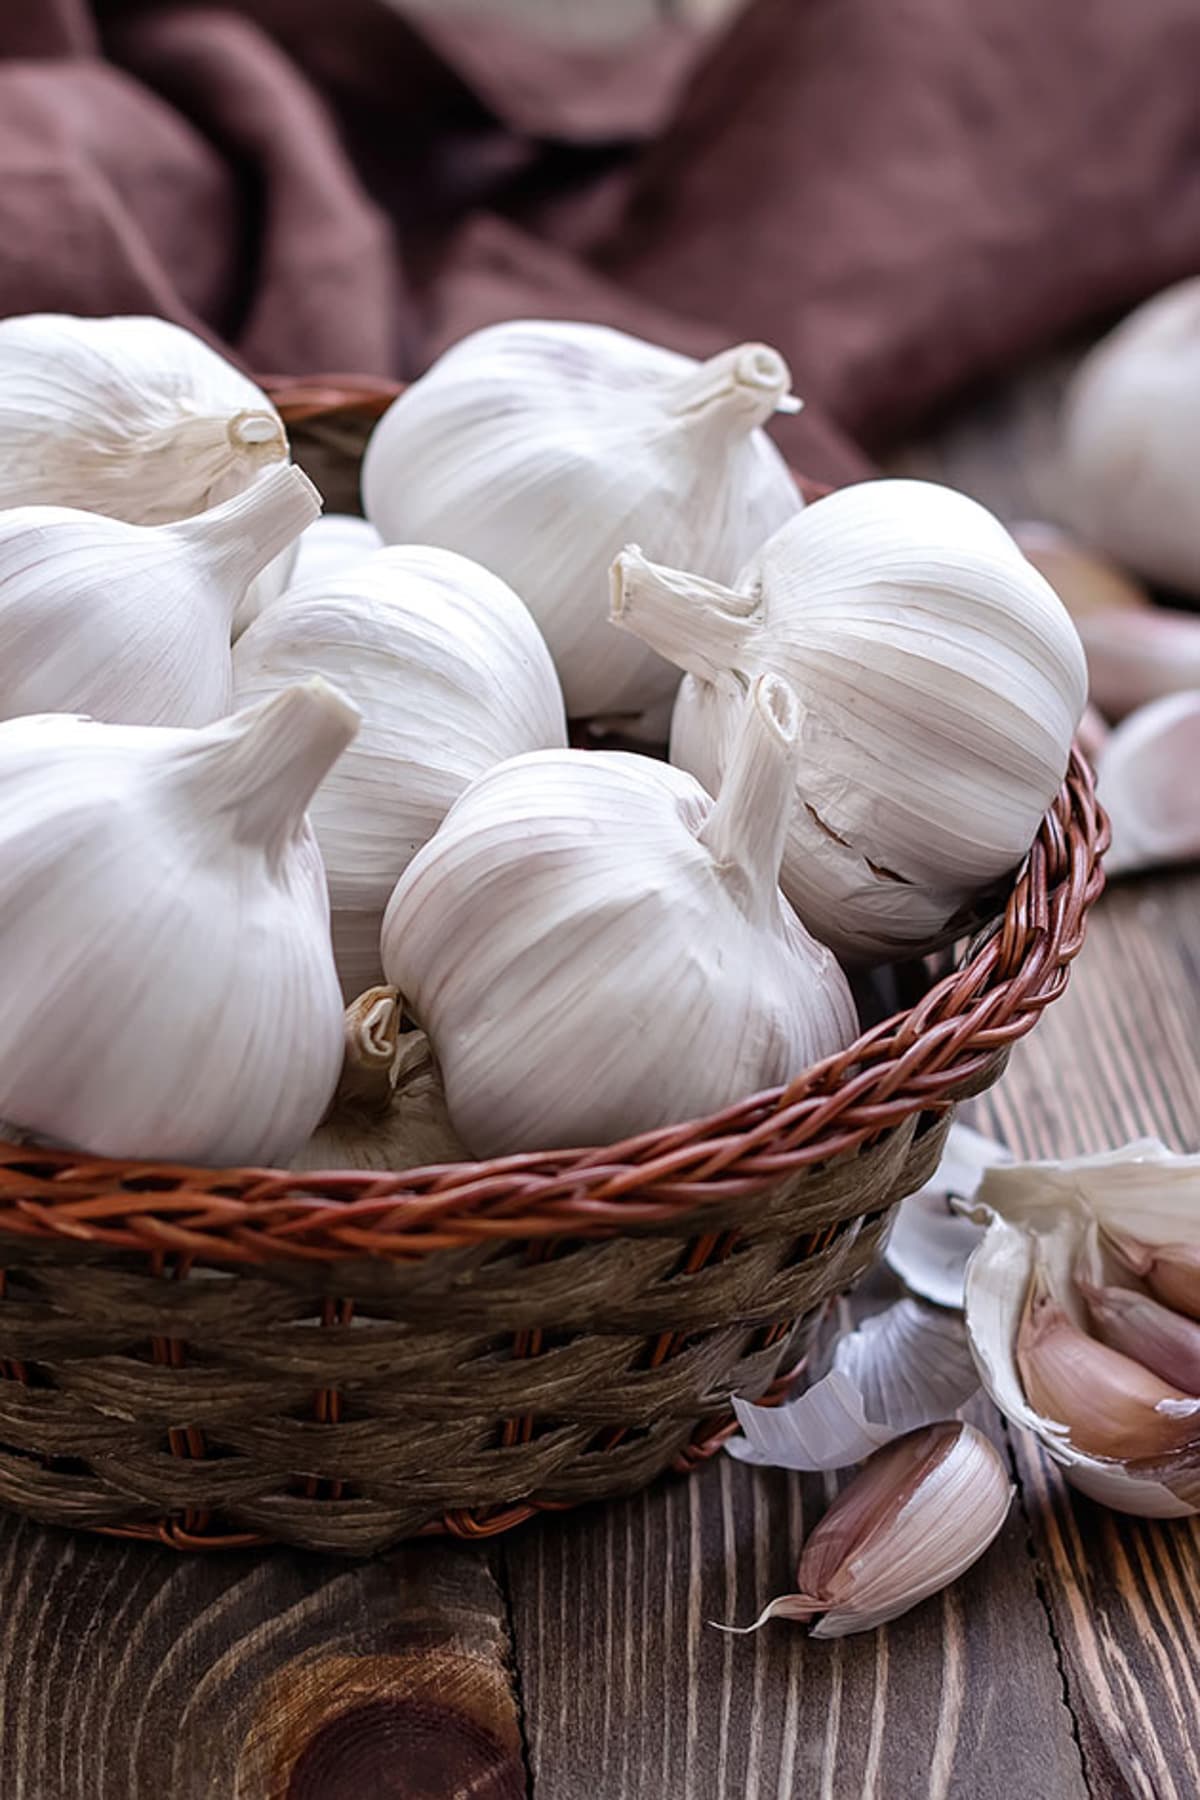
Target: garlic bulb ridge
point(131, 623)
point(539, 448)
point(451, 676)
point(132, 417)
point(595, 948)
point(939, 678)
point(164, 933)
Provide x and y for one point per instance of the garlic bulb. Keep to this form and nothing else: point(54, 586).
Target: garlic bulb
point(330, 544)
point(1124, 1433)
point(1125, 475)
point(132, 417)
point(939, 679)
point(596, 948)
point(169, 990)
point(1146, 779)
point(131, 623)
point(539, 448)
point(917, 1515)
point(451, 676)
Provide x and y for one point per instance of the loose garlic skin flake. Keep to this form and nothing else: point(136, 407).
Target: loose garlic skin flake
point(596, 949)
point(538, 448)
point(940, 681)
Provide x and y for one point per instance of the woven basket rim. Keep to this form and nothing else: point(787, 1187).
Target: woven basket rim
point(918, 1060)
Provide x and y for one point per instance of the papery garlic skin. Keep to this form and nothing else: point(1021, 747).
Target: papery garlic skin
point(451, 676)
point(940, 681)
point(329, 546)
point(1041, 1216)
point(132, 417)
point(596, 949)
point(540, 447)
point(1125, 472)
point(169, 988)
point(915, 1518)
point(1146, 781)
point(131, 623)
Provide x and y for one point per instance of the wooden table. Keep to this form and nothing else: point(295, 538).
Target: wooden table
point(574, 1660)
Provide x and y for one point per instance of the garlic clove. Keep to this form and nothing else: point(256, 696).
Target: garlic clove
point(905, 1367)
point(1170, 1270)
point(538, 448)
point(1163, 1341)
point(596, 948)
point(131, 623)
point(914, 1519)
point(135, 418)
point(1145, 777)
point(940, 679)
point(1109, 1404)
point(932, 1239)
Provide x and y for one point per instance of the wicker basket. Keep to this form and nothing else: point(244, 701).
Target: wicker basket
point(215, 1357)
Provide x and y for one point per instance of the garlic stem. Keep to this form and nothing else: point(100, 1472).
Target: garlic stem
point(372, 1033)
point(700, 625)
point(747, 827)
point(1110, 1404)
point(258, 431)
point(268, 762)
point(741, 386)
point(250, 529)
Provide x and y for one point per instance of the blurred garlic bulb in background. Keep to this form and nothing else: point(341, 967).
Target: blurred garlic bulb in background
point(330, 544)
point(1065, 1246)
point(169, 989)
point(540, 447)
point(1146, 781)
point(939, 678)
point(132, 417)
point(1125, 476)
point(451, 677)
point(596, 948)
point(131, 623)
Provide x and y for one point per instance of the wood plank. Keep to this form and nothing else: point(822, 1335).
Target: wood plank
point(132, 1673)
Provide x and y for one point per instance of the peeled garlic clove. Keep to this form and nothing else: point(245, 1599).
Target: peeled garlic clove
point(169, 989)
point(329, 546)
point(931, 1241)
point(538, 448)
point(1145, 776)
point(915, 1518)
point(905, 1367)
point(451, 677)
point(940, 680)
point(1125, 468)
point(131, 417)
point(131, 623)
point(1109, 1404)
point(596, 948)
point(1163, 1341)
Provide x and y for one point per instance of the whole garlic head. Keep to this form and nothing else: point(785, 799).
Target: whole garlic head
point(169, 988)
point(539, 448)
point(132, 417)
point(595, 948)
point(131, 623)
point(1045, 1223)
point(940, 681)
point(1125, 476)
point(451, 676)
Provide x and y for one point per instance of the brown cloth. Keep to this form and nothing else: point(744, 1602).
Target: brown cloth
point(903, 195)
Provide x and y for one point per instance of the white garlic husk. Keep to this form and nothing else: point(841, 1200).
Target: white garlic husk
point(1146, 781)
point(332, 543)
point(940, 681)
point(1042, 1221)
point(915, 1518)
point(169, 987)
point(596, 949)
point(1130, 440)
point(451, 676)
point(131, 623)
point(540, 447)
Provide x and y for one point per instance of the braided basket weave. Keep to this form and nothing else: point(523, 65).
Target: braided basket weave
point(216, 1357)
